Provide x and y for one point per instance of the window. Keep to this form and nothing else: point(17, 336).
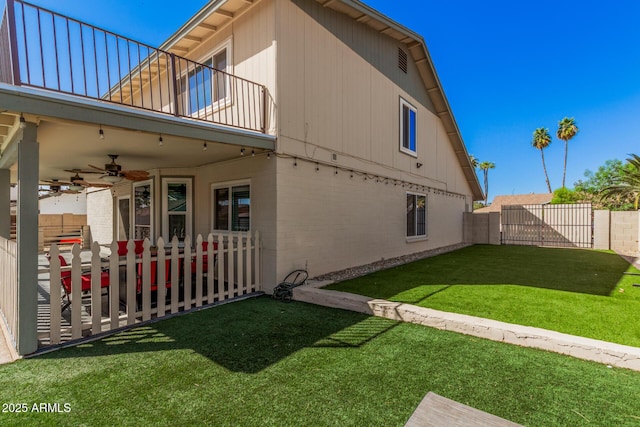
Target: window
point(408, 115)
point(206, 88)
point(232, 207)
point(143, 210)
point(416, 215)
point(176, 208)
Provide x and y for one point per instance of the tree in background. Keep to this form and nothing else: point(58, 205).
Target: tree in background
point(541, 140)
point(627, 184)
point(564, 195)
point(474, 162)
point(485, 166)
point(567, 129)
point(607, 175)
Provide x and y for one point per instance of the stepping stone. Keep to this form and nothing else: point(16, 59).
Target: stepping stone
point(438, 411)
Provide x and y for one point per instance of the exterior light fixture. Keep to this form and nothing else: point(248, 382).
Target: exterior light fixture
point(160, 141)
point(253, 153)
point(23, 122)
point(204, 146)
point(242, 151)
point(269, 156)
point(418, 165)
point(100, 133)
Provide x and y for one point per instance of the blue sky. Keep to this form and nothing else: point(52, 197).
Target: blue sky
point(507, 68)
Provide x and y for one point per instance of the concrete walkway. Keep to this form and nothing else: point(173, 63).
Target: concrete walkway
point(611, 354)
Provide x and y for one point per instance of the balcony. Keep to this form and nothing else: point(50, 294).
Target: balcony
point(45, 50)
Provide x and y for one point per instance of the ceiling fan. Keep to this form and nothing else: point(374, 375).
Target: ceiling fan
point(76, 182)
point(114, 173)
point(55, 189)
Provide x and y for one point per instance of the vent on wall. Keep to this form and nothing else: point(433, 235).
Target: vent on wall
point(402, 60)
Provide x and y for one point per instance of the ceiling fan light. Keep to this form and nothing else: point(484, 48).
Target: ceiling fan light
point(76, 187)
point(113, 179)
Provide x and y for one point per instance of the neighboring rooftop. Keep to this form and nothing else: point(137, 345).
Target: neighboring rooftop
point(516, 199)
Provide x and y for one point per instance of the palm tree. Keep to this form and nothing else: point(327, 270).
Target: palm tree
point(541, 140)
point(628, 184)
point(485, 166)
point(567, 129)
point(474, 162)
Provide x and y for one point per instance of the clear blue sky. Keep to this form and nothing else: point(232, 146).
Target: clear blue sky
point(507, 67)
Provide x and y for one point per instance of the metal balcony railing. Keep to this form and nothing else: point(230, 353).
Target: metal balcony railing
point(43, 49)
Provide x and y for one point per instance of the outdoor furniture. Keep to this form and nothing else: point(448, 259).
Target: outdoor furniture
point(65, 279)
point(205, 260)
point(122, 247)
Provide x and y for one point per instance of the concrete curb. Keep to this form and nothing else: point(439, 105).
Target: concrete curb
point(612, 354)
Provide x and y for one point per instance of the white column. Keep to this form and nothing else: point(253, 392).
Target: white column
point(27, 239)
point(5, 203)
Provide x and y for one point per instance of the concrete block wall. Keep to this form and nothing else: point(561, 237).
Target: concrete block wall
point(624, 232)
point(482, 228)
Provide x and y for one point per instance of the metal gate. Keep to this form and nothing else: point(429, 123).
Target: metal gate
point(567, 225)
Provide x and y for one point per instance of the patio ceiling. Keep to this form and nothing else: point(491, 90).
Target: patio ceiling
point(68, 136)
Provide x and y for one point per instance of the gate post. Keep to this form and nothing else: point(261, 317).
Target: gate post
point(601, 229)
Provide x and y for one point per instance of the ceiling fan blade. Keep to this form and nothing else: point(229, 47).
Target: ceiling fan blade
point(102, 170)
point(77, 171)
point(135, 175)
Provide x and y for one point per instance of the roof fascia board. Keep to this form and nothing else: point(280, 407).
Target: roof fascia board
point(60, 106)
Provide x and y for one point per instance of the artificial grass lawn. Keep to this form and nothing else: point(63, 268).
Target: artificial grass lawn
point(579, 292)
point(260, 362)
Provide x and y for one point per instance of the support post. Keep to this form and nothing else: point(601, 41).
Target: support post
point(27, 240)
point(5, 203)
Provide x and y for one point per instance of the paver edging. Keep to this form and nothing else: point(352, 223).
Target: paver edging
point(612, 354)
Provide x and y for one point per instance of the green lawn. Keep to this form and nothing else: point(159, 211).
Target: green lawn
point(259, 362)
point(579, 292)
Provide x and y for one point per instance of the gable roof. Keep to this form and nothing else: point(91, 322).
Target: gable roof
point(516, 199)
point(219, 13)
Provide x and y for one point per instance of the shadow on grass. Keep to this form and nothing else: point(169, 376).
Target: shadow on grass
point(572, 270)
point(246, 336)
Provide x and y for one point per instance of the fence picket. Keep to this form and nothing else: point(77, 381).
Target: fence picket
point(161, 279)
point(187, 273)
point(175, 274)
point(146, 280)
point(76, 293)
point(132, 269)
point(221, 267)
point(114, 287)
point(211, 261)
point(198, 271)
point(96, 289)
point(55, 295)
point(240, 251)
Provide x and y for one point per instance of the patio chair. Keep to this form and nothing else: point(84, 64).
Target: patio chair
point(205, 258)
point(65, 279)
point(154, 275)
point(122, 247)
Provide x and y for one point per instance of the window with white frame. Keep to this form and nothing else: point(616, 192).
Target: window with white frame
point(232, 207)
point(143, 210)
point(177, 210)
point(416, 215)
point(408, 127)
point(206, 89)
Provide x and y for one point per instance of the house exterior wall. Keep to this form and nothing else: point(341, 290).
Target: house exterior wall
point(339, 90)
point(65, 203)
point(100, 215)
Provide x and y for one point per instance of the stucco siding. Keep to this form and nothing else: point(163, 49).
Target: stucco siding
point(327, 222)
point(100, 215)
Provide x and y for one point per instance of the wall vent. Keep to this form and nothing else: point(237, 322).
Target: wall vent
point(402, 60)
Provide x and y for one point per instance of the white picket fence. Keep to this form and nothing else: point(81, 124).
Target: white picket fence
point(233, 268)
